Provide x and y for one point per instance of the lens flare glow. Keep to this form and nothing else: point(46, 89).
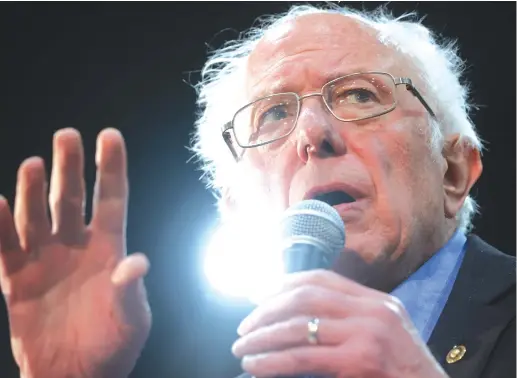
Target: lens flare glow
point(243, 261)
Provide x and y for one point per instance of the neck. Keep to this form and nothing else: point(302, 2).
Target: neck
point(384, 273)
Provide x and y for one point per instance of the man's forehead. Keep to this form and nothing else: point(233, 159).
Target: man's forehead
point(329, 44)
point(330, 29)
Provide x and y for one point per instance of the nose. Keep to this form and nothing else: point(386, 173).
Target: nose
point(316, 133)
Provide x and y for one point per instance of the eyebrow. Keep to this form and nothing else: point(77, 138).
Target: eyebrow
point(281, 86)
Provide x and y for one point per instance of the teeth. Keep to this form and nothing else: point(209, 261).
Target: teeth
point(335, 198)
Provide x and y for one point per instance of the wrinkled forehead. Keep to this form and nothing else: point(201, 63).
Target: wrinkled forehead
point(322, 46)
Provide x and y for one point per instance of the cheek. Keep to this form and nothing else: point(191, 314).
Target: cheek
point(275, 167)
point(405, 176)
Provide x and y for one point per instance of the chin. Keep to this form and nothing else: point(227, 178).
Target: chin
point(366, 245)
point(369, 259)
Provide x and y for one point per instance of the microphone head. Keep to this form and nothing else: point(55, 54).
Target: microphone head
point(317, 223)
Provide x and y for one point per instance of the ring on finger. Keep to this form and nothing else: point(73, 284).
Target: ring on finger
point(312, 331)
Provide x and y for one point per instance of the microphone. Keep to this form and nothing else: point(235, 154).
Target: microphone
point(313, 236)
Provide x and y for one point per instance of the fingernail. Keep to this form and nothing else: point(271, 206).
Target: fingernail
point(250, 361)
point(234, 346)
point(243, 327)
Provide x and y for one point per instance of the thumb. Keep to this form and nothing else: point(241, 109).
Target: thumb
point(131, 305)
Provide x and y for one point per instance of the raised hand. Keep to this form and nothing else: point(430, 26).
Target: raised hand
point(77, 305)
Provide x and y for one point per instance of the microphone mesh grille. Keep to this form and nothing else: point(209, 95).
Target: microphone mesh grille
point(316, 219)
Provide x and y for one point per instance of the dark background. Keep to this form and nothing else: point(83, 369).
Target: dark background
point(91, 65)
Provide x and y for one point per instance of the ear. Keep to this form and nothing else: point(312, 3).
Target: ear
point(462, 169)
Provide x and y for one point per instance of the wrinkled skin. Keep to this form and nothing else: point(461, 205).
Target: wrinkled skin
point(361, 334)
point(77, 306)
point(407, 199)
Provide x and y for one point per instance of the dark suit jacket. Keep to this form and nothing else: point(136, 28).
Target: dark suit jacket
point(479, 315)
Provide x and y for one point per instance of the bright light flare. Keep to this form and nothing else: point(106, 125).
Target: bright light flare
point(244, 260)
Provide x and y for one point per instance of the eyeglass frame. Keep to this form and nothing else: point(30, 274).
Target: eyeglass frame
point(396, 80)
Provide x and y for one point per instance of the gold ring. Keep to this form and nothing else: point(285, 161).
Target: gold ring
point(312, 328)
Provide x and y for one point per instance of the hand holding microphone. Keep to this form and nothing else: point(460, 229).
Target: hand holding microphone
point(323, 324)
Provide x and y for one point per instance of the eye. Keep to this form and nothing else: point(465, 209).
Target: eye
point(273, 114)
point(356, 96)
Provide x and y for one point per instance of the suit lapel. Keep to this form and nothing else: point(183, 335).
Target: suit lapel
point(477, 310)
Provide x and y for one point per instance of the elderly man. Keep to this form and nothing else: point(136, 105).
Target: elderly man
point(363, 112)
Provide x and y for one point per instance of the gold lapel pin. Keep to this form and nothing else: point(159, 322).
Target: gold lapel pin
point(456, 354)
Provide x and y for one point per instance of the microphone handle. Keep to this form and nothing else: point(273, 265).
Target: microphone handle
point(304, 256)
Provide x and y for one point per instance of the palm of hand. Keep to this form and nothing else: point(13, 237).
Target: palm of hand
point(76, 308)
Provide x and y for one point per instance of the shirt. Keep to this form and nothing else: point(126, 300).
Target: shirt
point(426, 291)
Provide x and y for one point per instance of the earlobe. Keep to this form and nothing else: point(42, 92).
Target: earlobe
point(463, 162)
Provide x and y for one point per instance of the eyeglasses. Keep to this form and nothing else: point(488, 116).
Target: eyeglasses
point(354, 97)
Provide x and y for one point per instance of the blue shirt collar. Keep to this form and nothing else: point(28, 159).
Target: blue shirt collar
point(426, 291)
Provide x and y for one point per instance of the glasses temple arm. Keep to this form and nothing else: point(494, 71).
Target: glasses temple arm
point(417, 94)
point(228, 140)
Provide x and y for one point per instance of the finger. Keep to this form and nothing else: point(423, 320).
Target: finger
point(354, 358)
point(306, 360)
point(308, 301)
point(131, 305)
point(330, 280)
point(67, 186)
point(11, 257)
point(368, 346)
point(111, 187)
point(371, 349)
point(294, 333)
point(130, 269)
point(131, 308)
point(30, 208)
point(8, 236)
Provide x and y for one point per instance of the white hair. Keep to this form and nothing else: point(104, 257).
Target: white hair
point(437, 64)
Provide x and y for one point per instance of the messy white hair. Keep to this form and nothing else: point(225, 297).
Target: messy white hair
point(437, 65)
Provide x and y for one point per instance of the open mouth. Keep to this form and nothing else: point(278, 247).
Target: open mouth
point(334, 198)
